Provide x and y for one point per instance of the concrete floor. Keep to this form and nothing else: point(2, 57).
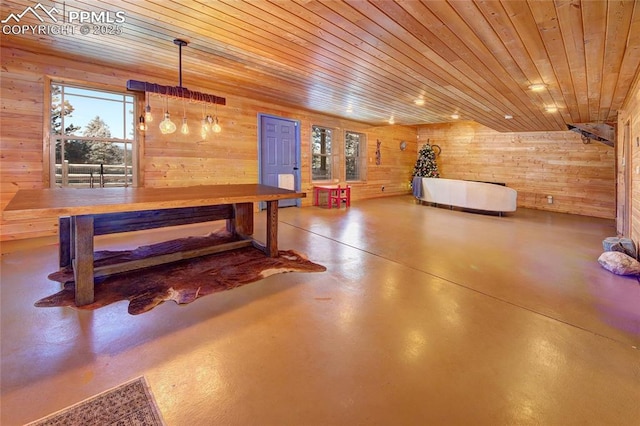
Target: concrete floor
point(425, 316)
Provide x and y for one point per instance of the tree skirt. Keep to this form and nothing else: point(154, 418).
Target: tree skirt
point(183, 281)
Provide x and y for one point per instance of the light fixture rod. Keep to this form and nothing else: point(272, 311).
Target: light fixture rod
point(177, 91)
point(180, 43)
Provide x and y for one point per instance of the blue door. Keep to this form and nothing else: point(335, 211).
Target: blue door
point(279, 155)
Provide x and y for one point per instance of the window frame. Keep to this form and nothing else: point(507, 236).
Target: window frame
point(360, 158)
point(49, 138)
point(330, 156)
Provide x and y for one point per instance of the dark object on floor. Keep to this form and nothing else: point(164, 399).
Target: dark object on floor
point(183, 281)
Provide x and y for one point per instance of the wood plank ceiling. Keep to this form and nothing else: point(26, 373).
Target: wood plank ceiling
point(372, 61)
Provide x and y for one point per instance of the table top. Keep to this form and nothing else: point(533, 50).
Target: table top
point(56, 202)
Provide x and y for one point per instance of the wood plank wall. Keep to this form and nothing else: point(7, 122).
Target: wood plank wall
point(579, 177)
point(629, 121)
point(175, 160)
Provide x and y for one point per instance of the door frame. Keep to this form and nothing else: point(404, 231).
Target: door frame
point(297, 177)
point(628, 176)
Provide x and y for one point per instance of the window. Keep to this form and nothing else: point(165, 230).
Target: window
point(92, 137)
point(354, 153)
point(321, 155)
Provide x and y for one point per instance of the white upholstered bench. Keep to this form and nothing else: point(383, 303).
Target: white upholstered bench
point(466, 194)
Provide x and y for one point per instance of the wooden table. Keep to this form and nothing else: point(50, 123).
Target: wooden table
point(87, 212)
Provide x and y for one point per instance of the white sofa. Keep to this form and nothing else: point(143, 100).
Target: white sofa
point(466, 194)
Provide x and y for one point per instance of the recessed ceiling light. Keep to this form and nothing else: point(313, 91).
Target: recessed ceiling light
point(349, 110)
point(392, 121)
point(537, 87)
point(551, 109)
point(419, 102)
point(508, 116)
point(455, 116)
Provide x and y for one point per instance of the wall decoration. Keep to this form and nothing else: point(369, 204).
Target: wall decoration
point(378, 155)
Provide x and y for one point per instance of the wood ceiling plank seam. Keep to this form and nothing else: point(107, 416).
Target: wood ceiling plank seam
point(296, 77)
point(502, 80)
point(431, 99)
point(512, 103)
point(422, 32)
point(364, 90)
point(594, 17)
point(618, 22)
point(400, 70)
point(531, 47)
point(328, 18)
point(497, 17)
point(629, 70)
point(545, 16)
point(389, 31)
point(410, 101)
point(433, 77)
point(484, 31)
point(343, 59)
point(570, 21)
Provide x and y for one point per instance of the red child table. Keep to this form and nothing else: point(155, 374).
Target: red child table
point(335, 194)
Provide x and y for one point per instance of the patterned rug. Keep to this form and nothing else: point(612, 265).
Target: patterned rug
point(183, 281)
point(129, 404)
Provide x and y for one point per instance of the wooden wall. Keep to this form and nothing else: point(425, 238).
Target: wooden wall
point(174, 160)
point(579, 177)
point(628, 166)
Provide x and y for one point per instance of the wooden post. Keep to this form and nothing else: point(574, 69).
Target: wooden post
point(242, 222)
point(65, 173)
point(83, 261)
point(272, 229)
point(64, 237)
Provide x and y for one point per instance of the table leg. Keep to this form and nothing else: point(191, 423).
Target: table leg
point(83, 261)
point(242, 221)
point(272, 229)
point(65, 239)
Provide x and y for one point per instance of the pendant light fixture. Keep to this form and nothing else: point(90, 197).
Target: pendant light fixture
point(167, 126)
point(184, 129)
point(148, 117)
point(215, 128)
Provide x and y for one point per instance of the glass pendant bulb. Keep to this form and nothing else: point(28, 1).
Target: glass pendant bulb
point(147, 114)
point(167, 126)
point(184, 129)
point(216, 127)
point(205, 124)
point(142, 126)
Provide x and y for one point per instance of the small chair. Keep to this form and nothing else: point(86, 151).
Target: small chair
point(340, 195)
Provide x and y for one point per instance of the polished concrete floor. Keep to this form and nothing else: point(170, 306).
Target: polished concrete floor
point(425, 316)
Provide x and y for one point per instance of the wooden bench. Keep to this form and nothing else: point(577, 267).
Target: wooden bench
point(112, 223)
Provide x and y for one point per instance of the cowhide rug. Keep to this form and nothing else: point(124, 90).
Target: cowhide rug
point(183, 281)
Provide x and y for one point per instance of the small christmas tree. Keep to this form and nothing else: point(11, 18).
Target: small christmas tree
point(426, 164)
